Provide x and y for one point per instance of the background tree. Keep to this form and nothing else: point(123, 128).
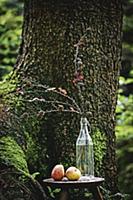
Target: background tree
point(124, 128)
point(46, 56)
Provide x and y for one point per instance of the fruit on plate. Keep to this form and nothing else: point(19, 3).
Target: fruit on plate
point(73, 173)
point(58, 172)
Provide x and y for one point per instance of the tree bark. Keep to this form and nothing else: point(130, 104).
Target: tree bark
point(50, 31)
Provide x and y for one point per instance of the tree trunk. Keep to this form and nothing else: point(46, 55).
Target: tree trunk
point(50, 31)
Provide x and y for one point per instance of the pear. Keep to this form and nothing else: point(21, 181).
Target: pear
point(58, 172)
point(73, 173)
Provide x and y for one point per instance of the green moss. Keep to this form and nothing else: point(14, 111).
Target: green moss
point(11, 153)
point(99, 141)
point(31, 151)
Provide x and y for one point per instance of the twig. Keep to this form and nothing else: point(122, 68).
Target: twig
point(59, 110)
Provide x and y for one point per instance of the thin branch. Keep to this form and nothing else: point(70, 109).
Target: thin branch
point(69, 98)
point(48, 89)
point(59, 110)
point(51, 102)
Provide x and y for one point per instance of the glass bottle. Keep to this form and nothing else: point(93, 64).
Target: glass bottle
point(84, 150)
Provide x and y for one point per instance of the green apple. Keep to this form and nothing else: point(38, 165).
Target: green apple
point(73, 173)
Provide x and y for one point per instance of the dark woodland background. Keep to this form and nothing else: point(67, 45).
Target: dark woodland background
point(11, 16)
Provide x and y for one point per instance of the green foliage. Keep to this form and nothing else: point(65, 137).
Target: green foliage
point(10, 31)
point(124, 111)
point(124, 130)
point(127, 23)
point(125, 162)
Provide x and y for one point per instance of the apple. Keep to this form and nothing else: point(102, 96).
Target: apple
point(58, 172)
point(73, 173)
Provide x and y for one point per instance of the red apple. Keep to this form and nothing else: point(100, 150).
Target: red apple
point(58, 172)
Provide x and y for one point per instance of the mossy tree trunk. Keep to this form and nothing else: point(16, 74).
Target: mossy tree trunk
point(50, 31)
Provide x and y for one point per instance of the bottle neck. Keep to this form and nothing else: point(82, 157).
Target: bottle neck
point(84, 130)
